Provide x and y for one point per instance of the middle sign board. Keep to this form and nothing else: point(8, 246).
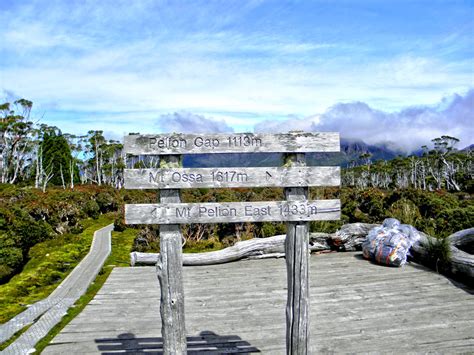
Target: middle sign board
point(232, 177)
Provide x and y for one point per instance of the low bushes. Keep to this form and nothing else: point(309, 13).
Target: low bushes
point(28, 216)
point(49, 262)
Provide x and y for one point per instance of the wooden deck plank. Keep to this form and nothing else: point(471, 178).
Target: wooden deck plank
point(356, 306)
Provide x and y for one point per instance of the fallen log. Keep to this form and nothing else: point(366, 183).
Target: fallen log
point(348, 238)
point(462, 259)
point(246, 248)
point(463, 240)
point(460, 263)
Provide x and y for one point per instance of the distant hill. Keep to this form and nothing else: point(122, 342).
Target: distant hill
point(351, 150)
point(468, 148)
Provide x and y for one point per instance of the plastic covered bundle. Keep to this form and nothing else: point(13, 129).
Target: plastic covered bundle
point(389, 244)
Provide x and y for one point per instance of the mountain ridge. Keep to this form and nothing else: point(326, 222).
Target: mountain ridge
point(351, 151)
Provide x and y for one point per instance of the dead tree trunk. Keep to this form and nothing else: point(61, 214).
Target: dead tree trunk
point(462, 249)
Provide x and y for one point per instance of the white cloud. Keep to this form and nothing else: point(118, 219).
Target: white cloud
point(408, 129)
point(405, 130)
point(186, 122)
point(291, 124)
point(417, 72)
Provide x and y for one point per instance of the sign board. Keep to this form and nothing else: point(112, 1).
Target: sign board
point(231, 177)
point(170, 212)
point(231, 212)
point(175, 143)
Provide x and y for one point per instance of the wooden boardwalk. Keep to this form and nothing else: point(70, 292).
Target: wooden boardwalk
point(356, 306)
point(45, 314)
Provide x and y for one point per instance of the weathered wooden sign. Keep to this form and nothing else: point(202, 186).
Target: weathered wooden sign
point(232, 177)
point(295, 177)
point(166, 144)
point(231, 212)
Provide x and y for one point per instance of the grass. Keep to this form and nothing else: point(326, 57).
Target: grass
point(439, 251)
point(120, 256)
point(50, 262)
point(211, 244)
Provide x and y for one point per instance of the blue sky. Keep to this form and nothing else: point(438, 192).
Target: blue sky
point(151, 66)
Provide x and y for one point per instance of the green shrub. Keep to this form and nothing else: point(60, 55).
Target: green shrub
point(326, 226)
point(92, 209)
point(119, 224)
point(439, 252)
point(269, 229)
point(210, 244)
point(32, 232)
point(405, 211)
point(372, 204)
point(11, 256)
point(454, 219)
point(147, 239)
point(78, 228)
point(106, 201)
point(6, 272)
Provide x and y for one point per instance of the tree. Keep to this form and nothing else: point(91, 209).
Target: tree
point(445, 166)
point(441, 167)
point(76, 147)
point(104, 161)
point(16, 130)
point(56, 155)
point(95, 147)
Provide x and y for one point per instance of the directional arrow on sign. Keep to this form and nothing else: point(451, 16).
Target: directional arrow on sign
point(268, 176)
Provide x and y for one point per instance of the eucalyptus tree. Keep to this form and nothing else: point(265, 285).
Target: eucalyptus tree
point(104, 161)
point(75, 143)
point(444, 163)
point(43, 173)
point(113, 163)
point(442, 167)
point(16, 133)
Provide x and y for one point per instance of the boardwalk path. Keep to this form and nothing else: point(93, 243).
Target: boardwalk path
point(356, 306)
point(54, 307)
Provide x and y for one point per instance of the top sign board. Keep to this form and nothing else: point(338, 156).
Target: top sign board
point(177, 143)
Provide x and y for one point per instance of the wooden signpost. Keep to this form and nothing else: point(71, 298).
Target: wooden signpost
point(296, 210)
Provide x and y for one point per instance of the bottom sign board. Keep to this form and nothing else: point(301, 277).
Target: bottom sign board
point(230, 212)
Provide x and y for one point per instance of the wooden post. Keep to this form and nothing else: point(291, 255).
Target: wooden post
point(297, 265)
point(170, 274)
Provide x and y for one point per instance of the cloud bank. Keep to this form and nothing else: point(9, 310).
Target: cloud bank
point(405, 130)
point(186, 122)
